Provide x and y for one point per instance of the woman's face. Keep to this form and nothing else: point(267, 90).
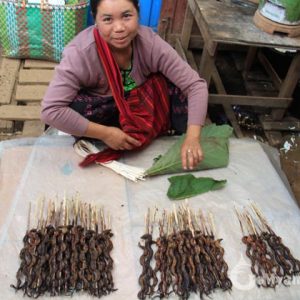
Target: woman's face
point(117, 22)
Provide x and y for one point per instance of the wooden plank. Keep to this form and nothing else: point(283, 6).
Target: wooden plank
point(6, 126)
point(187, 28)
point(250, 100)
point(191, 60)
point(30, 92)
point(180, 50)
point(166, 18)
point(227, 107)
point(218, 81)
point(232, 118)
point(207, 65)
point(281, 126)
point(270, 70)
point(251, 54)
point(289, 84)
point(8, 74)
point(33, 128)
point(35, 76)
point(285, 125)
point(210, 44)
point(178, 18)
point(261, 88)
point(8, 136)
point(20, 112)
point(221, 89)
point(39, 64)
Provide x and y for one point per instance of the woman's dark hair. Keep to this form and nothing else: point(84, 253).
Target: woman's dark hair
point(95, 3)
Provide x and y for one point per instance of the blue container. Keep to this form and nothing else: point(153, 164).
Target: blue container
point(149, 13)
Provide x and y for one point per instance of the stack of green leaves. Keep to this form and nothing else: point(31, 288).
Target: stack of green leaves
point(215, 146)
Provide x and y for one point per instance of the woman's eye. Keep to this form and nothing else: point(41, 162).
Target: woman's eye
point(127, 16)
point(107, 20)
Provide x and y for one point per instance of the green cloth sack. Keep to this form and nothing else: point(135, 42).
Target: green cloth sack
point(215, 146)
point(40, 31)
point(186, 186)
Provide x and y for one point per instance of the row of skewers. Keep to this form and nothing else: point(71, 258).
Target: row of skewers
point(67, 249)
point(185, 258)
point(272, 262)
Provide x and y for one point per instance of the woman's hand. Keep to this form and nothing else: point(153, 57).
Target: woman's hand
point(117, 139)
point(191, 151)
point(113, 137)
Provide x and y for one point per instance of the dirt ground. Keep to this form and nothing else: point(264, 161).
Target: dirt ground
point(290, 163)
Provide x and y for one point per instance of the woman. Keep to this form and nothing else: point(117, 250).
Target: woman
point(79, 98)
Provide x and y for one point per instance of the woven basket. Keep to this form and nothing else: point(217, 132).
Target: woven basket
point(39, 31)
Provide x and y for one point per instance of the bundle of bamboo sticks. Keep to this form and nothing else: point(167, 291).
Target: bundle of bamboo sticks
point(66, 250)
point(271, 261)
point(188, 257)
point(85, 148)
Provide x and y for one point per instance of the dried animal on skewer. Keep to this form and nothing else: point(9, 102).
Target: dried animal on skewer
point(271, 261)
point(67, 252)
point(188, 258)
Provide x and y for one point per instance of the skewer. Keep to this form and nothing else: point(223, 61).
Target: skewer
point(251, 223)
point(28, 217)
point(36, 214)
point(261, 217)
point(240, 220)
point(109, 221)
point(175, 214)
point(212, 224)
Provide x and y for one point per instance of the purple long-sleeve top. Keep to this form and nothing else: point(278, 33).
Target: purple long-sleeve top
point(80, 68)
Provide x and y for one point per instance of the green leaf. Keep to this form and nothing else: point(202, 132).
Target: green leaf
point(186, 186)
point(214, 143)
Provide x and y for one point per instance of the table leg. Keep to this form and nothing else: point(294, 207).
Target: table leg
point(249, 60)
point(208, 71)
point(288, 85)
point(227, 107)
point(187, 28)
point(207, 65)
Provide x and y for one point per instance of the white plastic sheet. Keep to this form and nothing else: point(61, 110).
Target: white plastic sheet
point(48, 167)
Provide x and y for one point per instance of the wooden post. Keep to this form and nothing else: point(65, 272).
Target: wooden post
point(207, 65)
point(187, 28)
point(288, 85)
point(249, 59)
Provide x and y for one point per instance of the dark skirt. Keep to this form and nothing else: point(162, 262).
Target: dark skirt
point(103, 110)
